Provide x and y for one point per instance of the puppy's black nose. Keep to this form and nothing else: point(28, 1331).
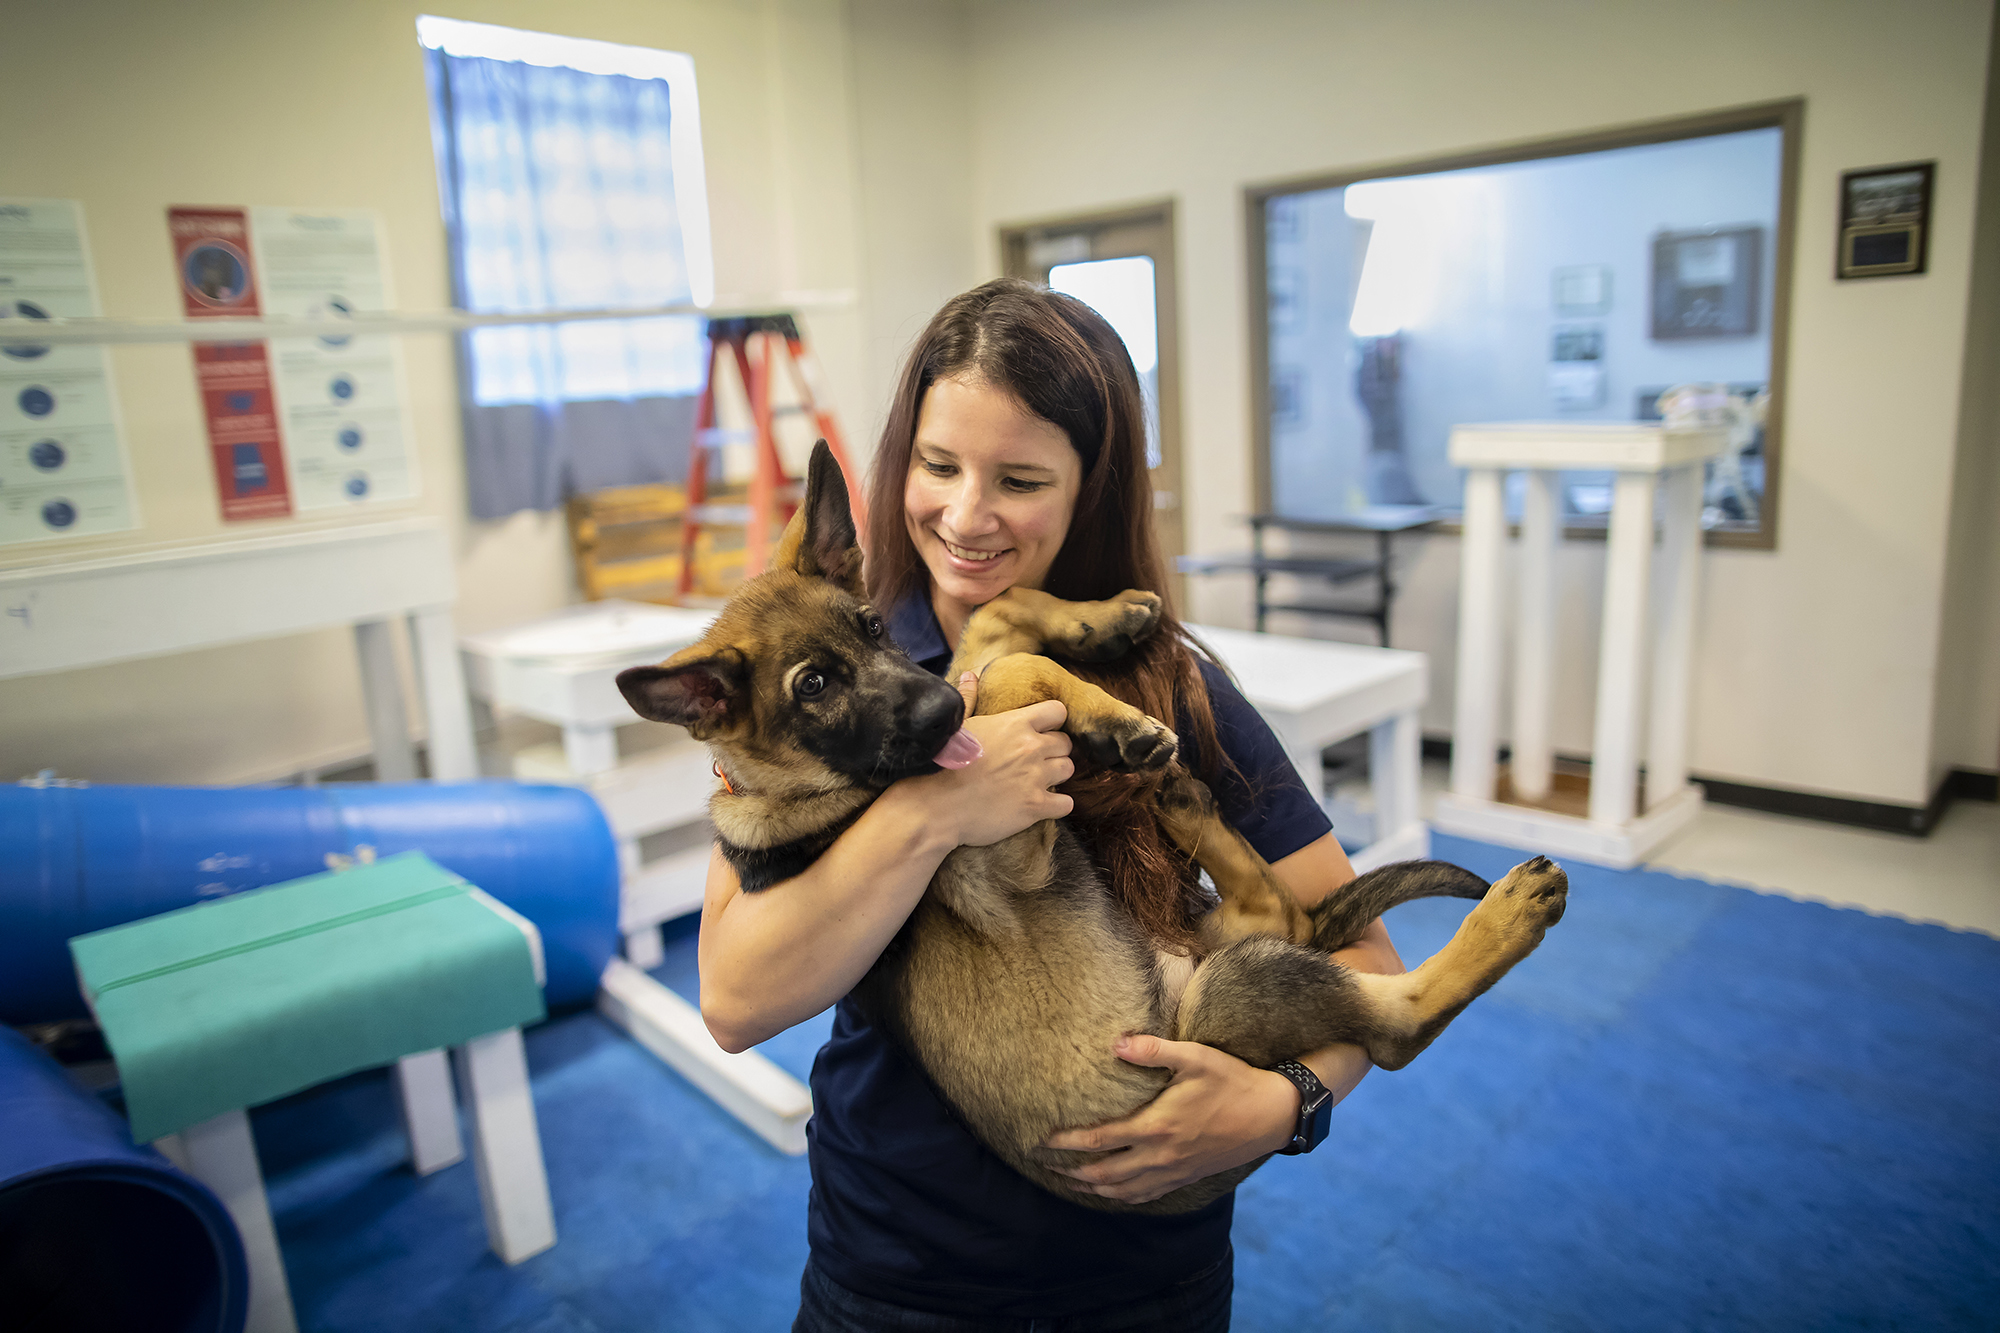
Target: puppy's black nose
point(936, 714)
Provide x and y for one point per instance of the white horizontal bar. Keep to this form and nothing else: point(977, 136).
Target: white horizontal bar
point(71, 332)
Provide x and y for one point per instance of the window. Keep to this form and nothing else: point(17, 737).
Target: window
point(1574, 281)
point(570, 175)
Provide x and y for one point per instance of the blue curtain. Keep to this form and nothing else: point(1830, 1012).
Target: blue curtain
point(558, 192)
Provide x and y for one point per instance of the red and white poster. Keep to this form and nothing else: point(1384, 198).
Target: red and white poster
point(217, 278)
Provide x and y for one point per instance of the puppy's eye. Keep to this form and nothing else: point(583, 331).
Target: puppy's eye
point(809, 684)
point(874, 627)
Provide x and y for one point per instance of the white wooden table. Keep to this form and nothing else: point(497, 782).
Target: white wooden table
point(1631, 726)
point(562, 669)
point(1314, 693)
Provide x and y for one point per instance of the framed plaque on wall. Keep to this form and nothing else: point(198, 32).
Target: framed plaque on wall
point(1885, 221)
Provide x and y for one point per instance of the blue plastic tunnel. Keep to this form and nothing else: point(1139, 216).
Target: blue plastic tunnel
point(96, 1234)
point(80, 858)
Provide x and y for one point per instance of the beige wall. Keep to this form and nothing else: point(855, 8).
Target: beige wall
point(137, 105)
point(1967, 732)
point(877, 144)
point(913, 127)
point(1819, 660)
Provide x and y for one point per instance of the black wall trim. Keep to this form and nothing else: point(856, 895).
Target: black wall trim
point(1917, 821)
point(1967, 785)
point(1914, 820)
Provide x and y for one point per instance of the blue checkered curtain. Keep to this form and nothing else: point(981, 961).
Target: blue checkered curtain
point(558, 192)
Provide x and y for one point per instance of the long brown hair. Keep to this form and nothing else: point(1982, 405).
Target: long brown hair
point(1063, 362)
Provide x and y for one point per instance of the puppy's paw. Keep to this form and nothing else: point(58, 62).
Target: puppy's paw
point(1105, 631)
point(1532, 894)
point(1124, 742)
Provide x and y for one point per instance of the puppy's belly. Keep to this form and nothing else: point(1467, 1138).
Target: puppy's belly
point(1018, 1032)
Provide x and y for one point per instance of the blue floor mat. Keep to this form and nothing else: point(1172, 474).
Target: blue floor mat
point(1695, 1107)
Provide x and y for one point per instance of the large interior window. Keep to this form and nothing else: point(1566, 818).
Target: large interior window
point(1576, 282)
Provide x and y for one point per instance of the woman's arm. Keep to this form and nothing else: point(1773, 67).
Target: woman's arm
point(1219, 1112)
point(777, 957)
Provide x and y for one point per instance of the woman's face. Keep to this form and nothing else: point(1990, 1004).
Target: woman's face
point(989, 494)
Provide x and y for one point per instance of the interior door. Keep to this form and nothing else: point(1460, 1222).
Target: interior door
point(1122, 265)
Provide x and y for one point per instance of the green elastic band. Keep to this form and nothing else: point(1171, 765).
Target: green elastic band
point(297, 932)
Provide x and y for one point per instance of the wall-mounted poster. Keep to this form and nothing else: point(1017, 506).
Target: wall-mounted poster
point(1705, 282)
point(295, 423)
point(218, 279)
point(341, 397)
point(63, 470)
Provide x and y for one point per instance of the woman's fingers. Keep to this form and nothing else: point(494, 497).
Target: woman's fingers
point(1048, 715)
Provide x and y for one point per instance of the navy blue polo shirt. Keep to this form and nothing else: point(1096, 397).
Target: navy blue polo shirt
point(908, 1207)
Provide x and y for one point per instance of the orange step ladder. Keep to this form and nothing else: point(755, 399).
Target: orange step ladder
point(757, 343)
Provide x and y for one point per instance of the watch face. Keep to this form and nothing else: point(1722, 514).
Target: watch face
point(1322, 1120)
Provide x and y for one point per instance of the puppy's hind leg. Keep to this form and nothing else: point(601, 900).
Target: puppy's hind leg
point(1264, 1000)
point(1254, 900)
point(1504, 928)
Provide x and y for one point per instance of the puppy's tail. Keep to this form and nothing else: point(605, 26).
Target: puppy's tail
point(1342, 915)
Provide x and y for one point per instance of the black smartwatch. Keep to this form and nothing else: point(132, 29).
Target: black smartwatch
point(1315, 1107)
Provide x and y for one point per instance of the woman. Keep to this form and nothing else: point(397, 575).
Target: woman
point(1014, 454)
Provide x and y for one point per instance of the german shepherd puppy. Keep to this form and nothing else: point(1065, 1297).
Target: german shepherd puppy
point(1017, 971)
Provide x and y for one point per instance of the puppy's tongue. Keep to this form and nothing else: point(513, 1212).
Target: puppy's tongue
point(959, 751)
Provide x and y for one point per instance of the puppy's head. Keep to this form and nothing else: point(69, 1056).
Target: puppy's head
point(797, 684)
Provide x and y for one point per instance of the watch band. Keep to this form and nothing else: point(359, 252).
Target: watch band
point(1315, 1107)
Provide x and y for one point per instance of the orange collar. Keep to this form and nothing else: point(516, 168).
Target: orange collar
point(717, 767)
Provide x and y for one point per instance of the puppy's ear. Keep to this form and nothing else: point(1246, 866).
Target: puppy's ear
point(820, 541)
point(702, 689)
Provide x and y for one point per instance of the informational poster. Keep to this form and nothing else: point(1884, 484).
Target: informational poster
point(295, 424)
point(340, 398)
point(218, 279)
point(63, 470)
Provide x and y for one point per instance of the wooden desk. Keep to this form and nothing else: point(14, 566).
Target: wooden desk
point(1385, 521)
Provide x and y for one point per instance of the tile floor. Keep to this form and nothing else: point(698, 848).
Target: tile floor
point(1951, 878)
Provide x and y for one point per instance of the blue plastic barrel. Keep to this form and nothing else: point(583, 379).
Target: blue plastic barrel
point(98, 1234)
point(80, 858)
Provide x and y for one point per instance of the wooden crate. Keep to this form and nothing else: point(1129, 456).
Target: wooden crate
point(627, 544)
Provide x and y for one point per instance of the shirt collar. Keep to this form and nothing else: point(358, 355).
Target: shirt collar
point(914, 626)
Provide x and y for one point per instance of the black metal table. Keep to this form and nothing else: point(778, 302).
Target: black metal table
point(1385, 521)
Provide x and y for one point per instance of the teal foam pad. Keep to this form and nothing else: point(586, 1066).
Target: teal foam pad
point(233, 1003)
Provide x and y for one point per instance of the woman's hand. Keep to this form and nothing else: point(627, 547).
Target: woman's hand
point(1024, 752)
point(1216, 1113)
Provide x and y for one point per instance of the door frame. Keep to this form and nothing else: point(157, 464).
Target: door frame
point(1015, 240)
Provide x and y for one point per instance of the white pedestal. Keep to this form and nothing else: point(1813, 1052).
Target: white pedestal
point(1314, 693)
point(1648, 634)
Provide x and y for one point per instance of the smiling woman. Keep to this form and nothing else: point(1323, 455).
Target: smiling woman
point(988, 497)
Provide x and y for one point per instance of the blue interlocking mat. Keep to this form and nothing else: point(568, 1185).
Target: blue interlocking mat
point(1695, 1107)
